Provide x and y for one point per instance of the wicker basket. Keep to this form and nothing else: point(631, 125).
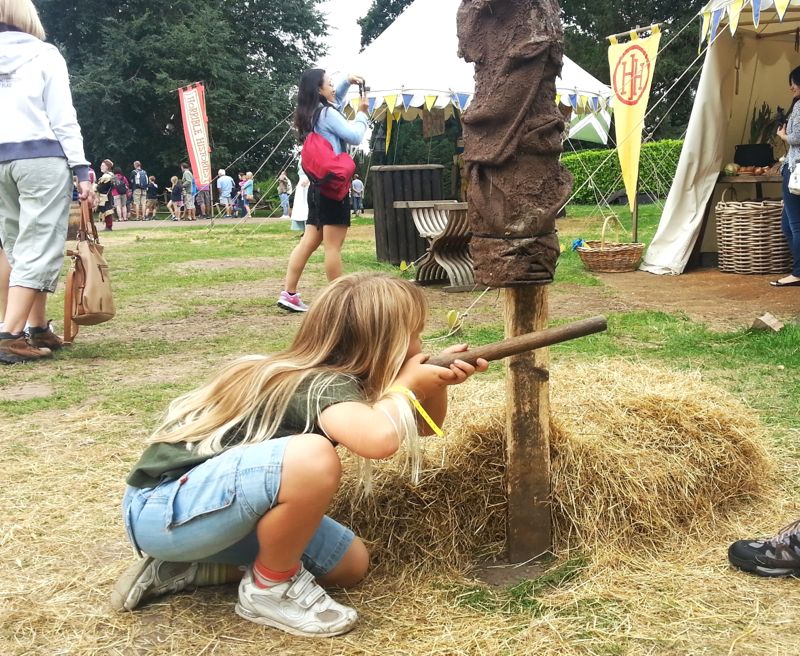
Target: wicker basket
point(749, 237)
point(608, 256)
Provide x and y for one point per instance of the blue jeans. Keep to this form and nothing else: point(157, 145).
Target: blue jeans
point(790, 222)
point(285, 203)
point(357, 204)
point(210, 514)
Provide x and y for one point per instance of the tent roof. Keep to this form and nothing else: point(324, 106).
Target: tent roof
point(771, 18)
point(417, 56)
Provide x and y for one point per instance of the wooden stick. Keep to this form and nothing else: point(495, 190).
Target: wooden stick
point(526, 342)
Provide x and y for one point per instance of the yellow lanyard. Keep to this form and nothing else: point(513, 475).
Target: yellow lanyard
point(418, 406)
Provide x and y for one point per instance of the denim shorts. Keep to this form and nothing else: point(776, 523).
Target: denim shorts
point(210, 513)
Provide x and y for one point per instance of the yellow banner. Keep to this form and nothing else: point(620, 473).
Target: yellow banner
point(632, 66)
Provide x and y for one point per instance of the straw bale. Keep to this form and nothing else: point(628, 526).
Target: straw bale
point(640, 455)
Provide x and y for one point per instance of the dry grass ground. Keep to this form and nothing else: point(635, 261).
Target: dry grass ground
point(669, 442)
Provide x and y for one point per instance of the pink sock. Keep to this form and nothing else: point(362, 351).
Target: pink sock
point(264, 577)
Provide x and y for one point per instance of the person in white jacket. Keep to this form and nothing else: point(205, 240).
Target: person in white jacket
point(41, 148)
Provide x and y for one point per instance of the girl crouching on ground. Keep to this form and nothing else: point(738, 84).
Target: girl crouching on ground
point(242, 470)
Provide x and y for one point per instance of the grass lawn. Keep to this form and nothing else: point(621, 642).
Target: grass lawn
point(191, 298)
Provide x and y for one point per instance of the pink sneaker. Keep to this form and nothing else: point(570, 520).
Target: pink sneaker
point(292, 302)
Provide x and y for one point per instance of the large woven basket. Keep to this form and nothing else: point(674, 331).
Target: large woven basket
point(608, 256)
point(749, 237)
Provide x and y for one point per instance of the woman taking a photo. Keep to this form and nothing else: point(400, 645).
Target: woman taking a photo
point(790, 222)
point(319, 109)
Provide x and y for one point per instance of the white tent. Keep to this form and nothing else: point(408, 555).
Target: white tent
point(748, 63)
point(414, 64)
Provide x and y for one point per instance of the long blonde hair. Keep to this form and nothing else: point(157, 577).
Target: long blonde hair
point(22, 15)
point(360, 326)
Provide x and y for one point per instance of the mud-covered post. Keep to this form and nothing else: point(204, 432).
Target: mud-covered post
point(512, 142)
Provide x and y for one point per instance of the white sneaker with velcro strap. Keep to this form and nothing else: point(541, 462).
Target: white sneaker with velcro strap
point(299, 606)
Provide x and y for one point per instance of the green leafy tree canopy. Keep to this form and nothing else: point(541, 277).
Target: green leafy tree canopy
point(127, 58)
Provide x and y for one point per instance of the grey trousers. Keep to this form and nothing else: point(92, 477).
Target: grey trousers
point(34, 211)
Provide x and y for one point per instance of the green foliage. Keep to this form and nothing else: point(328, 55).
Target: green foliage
point(378, 17)
point(127, 59)
point(659, 160)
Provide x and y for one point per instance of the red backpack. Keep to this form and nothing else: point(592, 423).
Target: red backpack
point(330, 171)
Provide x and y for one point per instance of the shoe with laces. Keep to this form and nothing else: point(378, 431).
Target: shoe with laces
point(292, 302)
point(15, 349)
point(298, 606)
point(44, 338)
point(777, 556)
point(150, 577)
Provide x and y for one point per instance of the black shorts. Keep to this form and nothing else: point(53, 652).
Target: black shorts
point(324, 211)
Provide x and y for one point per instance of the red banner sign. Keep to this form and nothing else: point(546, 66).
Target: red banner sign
point(195, 130)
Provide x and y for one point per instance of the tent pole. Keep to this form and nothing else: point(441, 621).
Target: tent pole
point(635, 213)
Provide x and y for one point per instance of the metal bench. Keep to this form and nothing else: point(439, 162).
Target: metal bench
point(444, 224)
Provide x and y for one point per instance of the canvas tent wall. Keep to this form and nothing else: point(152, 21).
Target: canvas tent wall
point(747, 63)
point(414, 64)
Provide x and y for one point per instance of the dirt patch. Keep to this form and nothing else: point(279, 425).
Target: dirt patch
point(25, 392)
point(722, 301)
point(225, 264)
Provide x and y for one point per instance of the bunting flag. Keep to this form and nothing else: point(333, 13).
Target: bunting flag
point(632, 65)
point(781, 6)
point(192, 100)
point(704, 29)
point(354, 103)
point(391, 101)
point(407, 98)
point(389, 121)
point(756, 12)
point(430, 101)
point(573, 101)
point(716, 17)
point(734, 11)
point(463, 100)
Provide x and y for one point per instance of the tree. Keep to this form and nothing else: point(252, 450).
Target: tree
point(127, 58)
point(379, 16)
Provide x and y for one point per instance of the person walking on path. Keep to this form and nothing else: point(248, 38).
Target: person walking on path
point(119, 193)
point(138, 180)
point(151, 208)
point(790, 221)
point(202, 200)
point(299, 207)
point(357, 194)
point(104, 185)
point(320, 102)
point(175, 204)
point(225, 188)
point(248, 193)
point(187, 182)
point(242, 471)
point(41, 148)
point(284, 190)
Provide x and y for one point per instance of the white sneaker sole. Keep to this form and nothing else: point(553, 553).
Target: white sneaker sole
point(242, 612)
point(288, 306)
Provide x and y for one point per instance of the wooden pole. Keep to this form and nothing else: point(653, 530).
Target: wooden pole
point(527, 430)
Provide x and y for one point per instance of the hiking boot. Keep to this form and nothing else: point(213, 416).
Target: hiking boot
point(292, 302)
point(298, 606)
point(148, 578)
point(778, 556)
point(17, 349)
point(44, 338)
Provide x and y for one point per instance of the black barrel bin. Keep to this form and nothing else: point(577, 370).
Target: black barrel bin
point(396, 237)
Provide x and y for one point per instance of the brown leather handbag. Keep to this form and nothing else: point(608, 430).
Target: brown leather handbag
point(87, 297)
